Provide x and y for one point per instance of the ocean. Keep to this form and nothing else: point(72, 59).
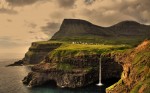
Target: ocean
point(11, 82)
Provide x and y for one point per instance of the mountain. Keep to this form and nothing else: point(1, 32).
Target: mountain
point(81, 30)
point(77, 27)
point(72, 65)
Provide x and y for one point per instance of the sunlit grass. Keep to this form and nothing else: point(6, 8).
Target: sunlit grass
point(47, 42)
point(84, 49)
point(90, 47)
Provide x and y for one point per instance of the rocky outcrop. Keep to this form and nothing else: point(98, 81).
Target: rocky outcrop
point(73, 72)
point(17, 63)
point(74, 78)
point(136, 70)
point(39, 50)
point(80, 70)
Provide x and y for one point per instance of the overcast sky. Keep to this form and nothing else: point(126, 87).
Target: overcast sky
point(25, 21)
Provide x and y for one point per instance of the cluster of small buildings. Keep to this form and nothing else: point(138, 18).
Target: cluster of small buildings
point(85, 43)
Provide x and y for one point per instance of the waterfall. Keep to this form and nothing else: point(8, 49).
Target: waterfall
point(100, 77)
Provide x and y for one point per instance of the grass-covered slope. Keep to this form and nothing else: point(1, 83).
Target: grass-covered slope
point(74, 50)
point(74, 65)
point(136, 75)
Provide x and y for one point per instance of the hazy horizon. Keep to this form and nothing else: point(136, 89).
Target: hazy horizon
point(9, 56)
point(26, 21)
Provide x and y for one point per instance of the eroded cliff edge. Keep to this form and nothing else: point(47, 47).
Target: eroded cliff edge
point(72, 68)
point(76, 68)
point(136, 70)
point(39, 50)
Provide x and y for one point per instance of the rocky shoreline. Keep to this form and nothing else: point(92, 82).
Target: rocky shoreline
point(123, 65)
point(71, 79)
point(17, 63)
point(77, 65)
point(72, 75)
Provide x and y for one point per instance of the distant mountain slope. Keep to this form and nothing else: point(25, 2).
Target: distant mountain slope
point(130, 28)
point(81, 30)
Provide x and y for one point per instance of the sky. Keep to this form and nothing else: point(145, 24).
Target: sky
point(26, 21)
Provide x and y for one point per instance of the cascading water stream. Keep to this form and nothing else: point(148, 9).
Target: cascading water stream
point(100, 77)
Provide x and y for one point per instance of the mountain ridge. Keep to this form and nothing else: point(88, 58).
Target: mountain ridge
point(78, 30)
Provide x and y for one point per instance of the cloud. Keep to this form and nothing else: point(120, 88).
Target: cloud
point(124, 7)
point(32, 25)
point(109, 12)
point(9, 20)
point(91, 10)
point(66, 3)
point(31, 32)
point(6, 41)
point(39, 38)
point(89, 2)
point(22, 2)
point(50, 28)
point(25, 21)
point(12, 45)
point(8, 11)
point(137, 9)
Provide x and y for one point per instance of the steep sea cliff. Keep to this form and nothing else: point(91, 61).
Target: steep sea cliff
point(74, 67)
point(38, 51)
point(73, 60)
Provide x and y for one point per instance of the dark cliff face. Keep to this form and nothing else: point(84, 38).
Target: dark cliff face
point(130, 28)
point(78, 71)
point(38, 51)
point(76, 28)
point(73, 72)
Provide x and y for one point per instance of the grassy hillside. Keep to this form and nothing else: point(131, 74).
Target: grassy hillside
point(136, 75)
point(105, 40)
point(68, 49)
point(126, 32)
point(91, 47)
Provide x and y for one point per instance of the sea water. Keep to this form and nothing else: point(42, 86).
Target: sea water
point(11, 82)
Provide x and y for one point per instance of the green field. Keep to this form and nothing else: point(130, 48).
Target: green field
point(131, 40)
point(91, 47)
point(68, 49)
